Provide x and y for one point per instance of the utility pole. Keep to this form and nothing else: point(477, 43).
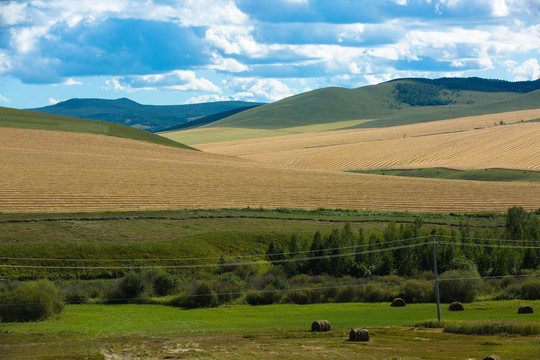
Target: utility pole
point(436, 281)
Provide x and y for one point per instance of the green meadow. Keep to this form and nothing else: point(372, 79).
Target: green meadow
point(479, 174)
point(266, 332)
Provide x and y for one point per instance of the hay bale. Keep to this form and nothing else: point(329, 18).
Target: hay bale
point(492, 357)
point(359, 335)
point(525, 310)
point(398, 302)
point(321, 326)
point(456, 306)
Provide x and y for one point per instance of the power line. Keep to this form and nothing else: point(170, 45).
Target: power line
point(217, 257)
point(487, 239)
point(364, 284)
point(191, 266)
point(490, 245)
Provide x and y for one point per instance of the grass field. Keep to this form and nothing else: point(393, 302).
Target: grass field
point(469, 143)
point(215, 134)
point(48, 171)
point(264, 332)
point(479, 175)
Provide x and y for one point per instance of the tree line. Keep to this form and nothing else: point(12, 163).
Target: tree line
point(357, 253)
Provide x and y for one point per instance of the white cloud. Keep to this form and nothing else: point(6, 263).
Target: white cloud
point(500, 8)
point(71, 82)
point(53, 101)
point(12, 13)
point(178, 80)
point(208, 98)
point(5, 62)
point(264, 90)
point(228, 64)
point(235, 40)
point(24, 39)
point(529, 70)
point(211, 12)
point(4, 99)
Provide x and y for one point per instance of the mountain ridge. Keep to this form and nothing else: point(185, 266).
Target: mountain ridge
point(125, 111)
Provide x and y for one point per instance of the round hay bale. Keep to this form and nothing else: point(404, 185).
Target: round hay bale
point(492, 357)
point(321, 326)
point(525, 310)
point(398, 302)
point(359, 335)
point(456, 306)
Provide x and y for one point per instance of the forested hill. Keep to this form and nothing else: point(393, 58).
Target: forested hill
point(147, 117)
point(479, 84)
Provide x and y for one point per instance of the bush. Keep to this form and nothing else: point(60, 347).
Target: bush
point(269, 295)
point(529, 290)
point(459, 285)
point(30, 302)
point(347, 294)
point(202, 297)
point(229, 287)
point(300, 297)
point(165, 283)
point(418, 291)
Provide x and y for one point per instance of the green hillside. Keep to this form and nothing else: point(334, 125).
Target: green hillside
point(147, 117)
point(388, 104)
point(34, 120)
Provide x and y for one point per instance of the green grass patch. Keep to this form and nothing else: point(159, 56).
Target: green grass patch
point(257, 332)
point(444, 173)
point(485, 327)
point(25, 119)
point(160, 319)
point(206, 135)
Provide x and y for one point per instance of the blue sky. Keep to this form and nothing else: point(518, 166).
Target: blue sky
point(189, 51)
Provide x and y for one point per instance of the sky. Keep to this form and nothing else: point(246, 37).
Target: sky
point(190, 51)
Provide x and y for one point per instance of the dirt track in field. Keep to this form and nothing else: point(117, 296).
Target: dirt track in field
point(44, 171)
point(465, 143)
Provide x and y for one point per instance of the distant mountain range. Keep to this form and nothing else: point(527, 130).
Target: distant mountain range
point(147, 117)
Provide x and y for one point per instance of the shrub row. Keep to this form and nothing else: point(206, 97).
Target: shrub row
point(30, 302)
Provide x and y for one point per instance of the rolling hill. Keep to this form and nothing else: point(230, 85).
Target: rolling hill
point(147, 117)
point(25, 119)
point(59, 171)
point(398, 102)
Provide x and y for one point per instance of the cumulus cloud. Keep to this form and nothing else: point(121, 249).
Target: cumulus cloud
point(71, 82)
point(265, 90)
point(267, 47)
point(178, 80)
point(12, 13)
point(528, 70)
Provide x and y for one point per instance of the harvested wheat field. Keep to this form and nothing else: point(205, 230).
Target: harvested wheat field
point(465, 143)
point(42, 171)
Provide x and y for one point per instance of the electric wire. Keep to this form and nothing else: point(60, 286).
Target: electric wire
point(191, 266)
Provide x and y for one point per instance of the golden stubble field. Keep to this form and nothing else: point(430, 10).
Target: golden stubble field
point(475, 142)
point(45, 171)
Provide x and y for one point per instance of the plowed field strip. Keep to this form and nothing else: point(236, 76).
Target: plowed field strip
point(459, 144)
point(60, 171)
